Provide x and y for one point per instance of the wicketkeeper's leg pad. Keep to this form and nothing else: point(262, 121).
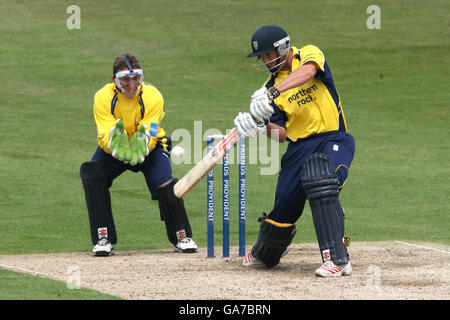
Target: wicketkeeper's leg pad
point(98, 201)
point(173, 211)
point(273, 240)
point(321, 185)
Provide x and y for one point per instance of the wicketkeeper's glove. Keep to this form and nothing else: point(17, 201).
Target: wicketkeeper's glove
point(118, 141)
point(139, 146)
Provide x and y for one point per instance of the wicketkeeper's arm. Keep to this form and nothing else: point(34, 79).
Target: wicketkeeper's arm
point(105, 121)
point(154, 114)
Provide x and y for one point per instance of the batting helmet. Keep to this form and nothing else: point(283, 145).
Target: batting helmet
point(270, 38)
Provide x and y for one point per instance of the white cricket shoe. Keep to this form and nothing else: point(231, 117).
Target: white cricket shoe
point(251, 261)
point(329, 269)
point(103, 248)
point(185, 245)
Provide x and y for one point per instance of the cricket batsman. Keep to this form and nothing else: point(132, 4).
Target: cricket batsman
point(299, 104)
point(128, 114)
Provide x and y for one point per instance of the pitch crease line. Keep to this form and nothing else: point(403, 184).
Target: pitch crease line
point(422, 247)
point(28, 271)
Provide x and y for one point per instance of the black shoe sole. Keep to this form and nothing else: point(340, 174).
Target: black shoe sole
point(103, 254)
point(186, 251)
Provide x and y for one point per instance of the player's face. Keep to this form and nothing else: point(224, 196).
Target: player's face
point(269, 58)
point(130, 85)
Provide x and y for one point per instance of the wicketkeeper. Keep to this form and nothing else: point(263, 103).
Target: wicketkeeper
point(299, 103)
point(128, 114)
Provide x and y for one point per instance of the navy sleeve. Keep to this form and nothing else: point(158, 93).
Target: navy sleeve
point(278, 117)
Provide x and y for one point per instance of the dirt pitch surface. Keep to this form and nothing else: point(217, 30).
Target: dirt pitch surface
point(381, 270)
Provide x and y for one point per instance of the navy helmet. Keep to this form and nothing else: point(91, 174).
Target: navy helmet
point(268, 38)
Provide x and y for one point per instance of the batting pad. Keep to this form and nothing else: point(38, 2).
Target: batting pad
point(273, 240)
point(321, 185)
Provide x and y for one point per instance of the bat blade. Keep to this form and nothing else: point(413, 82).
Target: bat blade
point(205, 165)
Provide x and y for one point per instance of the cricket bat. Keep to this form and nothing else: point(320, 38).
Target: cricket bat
point(205, 165)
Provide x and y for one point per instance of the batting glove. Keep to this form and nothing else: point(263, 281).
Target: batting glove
point(247, 126)
point(139, 146)
point(118, 141)
point(260, 107)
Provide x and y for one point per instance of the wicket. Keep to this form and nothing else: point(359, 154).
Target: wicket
point(226, 199)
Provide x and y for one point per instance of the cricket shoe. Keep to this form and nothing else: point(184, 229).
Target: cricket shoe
point(251, 261)
point(329, 269)
point(103, 248)
point(185, 245)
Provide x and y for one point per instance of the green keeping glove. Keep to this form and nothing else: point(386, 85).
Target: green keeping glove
point(118, 141)
point(139, 146)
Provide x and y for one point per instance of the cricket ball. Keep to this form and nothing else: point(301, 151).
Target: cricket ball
point(177, 152)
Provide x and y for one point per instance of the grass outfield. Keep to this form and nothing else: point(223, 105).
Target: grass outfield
point(393, 83)
point(19, 286)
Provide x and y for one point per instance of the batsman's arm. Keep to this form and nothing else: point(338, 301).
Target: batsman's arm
point(313, 60)
point(276, 132)
point(299, 77)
